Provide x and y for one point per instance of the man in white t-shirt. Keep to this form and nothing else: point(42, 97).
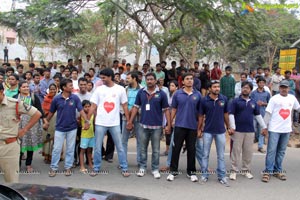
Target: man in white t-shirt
point(278, 119)
point(107, 99)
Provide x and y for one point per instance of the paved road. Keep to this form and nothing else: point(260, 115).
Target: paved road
point(181, 187)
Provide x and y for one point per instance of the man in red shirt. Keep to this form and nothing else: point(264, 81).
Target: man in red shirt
point(216, 72)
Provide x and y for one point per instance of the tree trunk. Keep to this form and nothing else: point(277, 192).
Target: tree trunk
point(162, 53)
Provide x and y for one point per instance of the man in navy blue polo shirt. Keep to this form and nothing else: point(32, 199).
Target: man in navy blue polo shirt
point(214, 110)
point(66, 105)
point(186, 107)
point(242, 112)
point(153, 102)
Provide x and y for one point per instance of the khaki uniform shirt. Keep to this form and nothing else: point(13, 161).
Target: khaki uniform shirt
point(9, 122)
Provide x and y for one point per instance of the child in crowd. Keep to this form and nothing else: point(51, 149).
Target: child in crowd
point(87, 141)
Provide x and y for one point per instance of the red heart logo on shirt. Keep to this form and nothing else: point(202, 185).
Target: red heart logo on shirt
point(284, 113)
point(109, 106)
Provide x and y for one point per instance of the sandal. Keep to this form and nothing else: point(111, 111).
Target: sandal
point(93, 173)
point(265, 178)
point(125, 174)
point(83, 171)
point(68, 172)
point(52, 173)
point(29, 169)
point(280, 176)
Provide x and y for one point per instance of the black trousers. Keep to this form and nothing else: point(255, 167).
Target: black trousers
point(190, 137)
point(28, 158)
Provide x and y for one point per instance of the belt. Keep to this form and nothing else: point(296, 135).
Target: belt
point(8, 140)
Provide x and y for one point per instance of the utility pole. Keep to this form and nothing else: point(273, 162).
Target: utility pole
point(117, 31)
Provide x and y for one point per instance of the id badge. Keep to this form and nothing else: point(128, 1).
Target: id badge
point(147, 107)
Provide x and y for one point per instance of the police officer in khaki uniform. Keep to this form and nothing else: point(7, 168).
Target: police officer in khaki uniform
point(10, 110)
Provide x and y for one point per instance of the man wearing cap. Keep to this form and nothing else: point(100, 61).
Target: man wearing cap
point(10, 110)
point(279, 123)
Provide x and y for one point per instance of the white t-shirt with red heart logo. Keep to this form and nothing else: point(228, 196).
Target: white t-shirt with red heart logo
point(108, 101)
point(281, 108)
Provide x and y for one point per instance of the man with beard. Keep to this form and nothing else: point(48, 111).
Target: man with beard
point(242, 112)
point(211, 108)
point(107, 99)
point(278, 118)
point(153, 102)
point(131, 91)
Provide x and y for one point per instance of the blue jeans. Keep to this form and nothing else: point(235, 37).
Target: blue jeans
point(170, 150)
point(220, 141)
point(115, 132)
point(200, 152)
point(258, 135)
point(277, 144)
point(125, 137)
point(145, 136)
point(59, 138)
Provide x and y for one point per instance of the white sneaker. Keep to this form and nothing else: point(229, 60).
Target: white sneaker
point(193, 178)
point(141, 173)
point(170, 177)
point(232, 176)
point(248, 175)
point(156, 174)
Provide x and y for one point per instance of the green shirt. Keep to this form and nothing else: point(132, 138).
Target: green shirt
point(11, 93)
point(227, 85)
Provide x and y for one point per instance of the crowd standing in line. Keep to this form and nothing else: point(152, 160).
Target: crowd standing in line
point(77, 105)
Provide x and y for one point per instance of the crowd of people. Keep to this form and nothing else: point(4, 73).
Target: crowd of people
point(67, 110)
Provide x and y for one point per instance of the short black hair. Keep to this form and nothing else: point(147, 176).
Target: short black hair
point(32, 65)
point(64, 82)
point(34, 75)
point(86, 102)
point(67, 68)
point(47, 70)
point(247, 83)
point(173, 62)
point(82, 79)
point(20, 66)
point(87, 74)
point(92, 69)
point(150, 74)
point(28, 72)
point(243, 74)
point(90, 83)
point(287, 72)
point(70, 59)
point(266, 69)
point(17, 59)
point(74, 70)
point(10, 69)
point(134, 75)
point(108, 72)
point(260, 78)
point(186, 74)
point(88, 55)
point(196, 62)
point(216, 63)
point(16, 76)
point(228, 68)
point(163, 62)
point(115, 61)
